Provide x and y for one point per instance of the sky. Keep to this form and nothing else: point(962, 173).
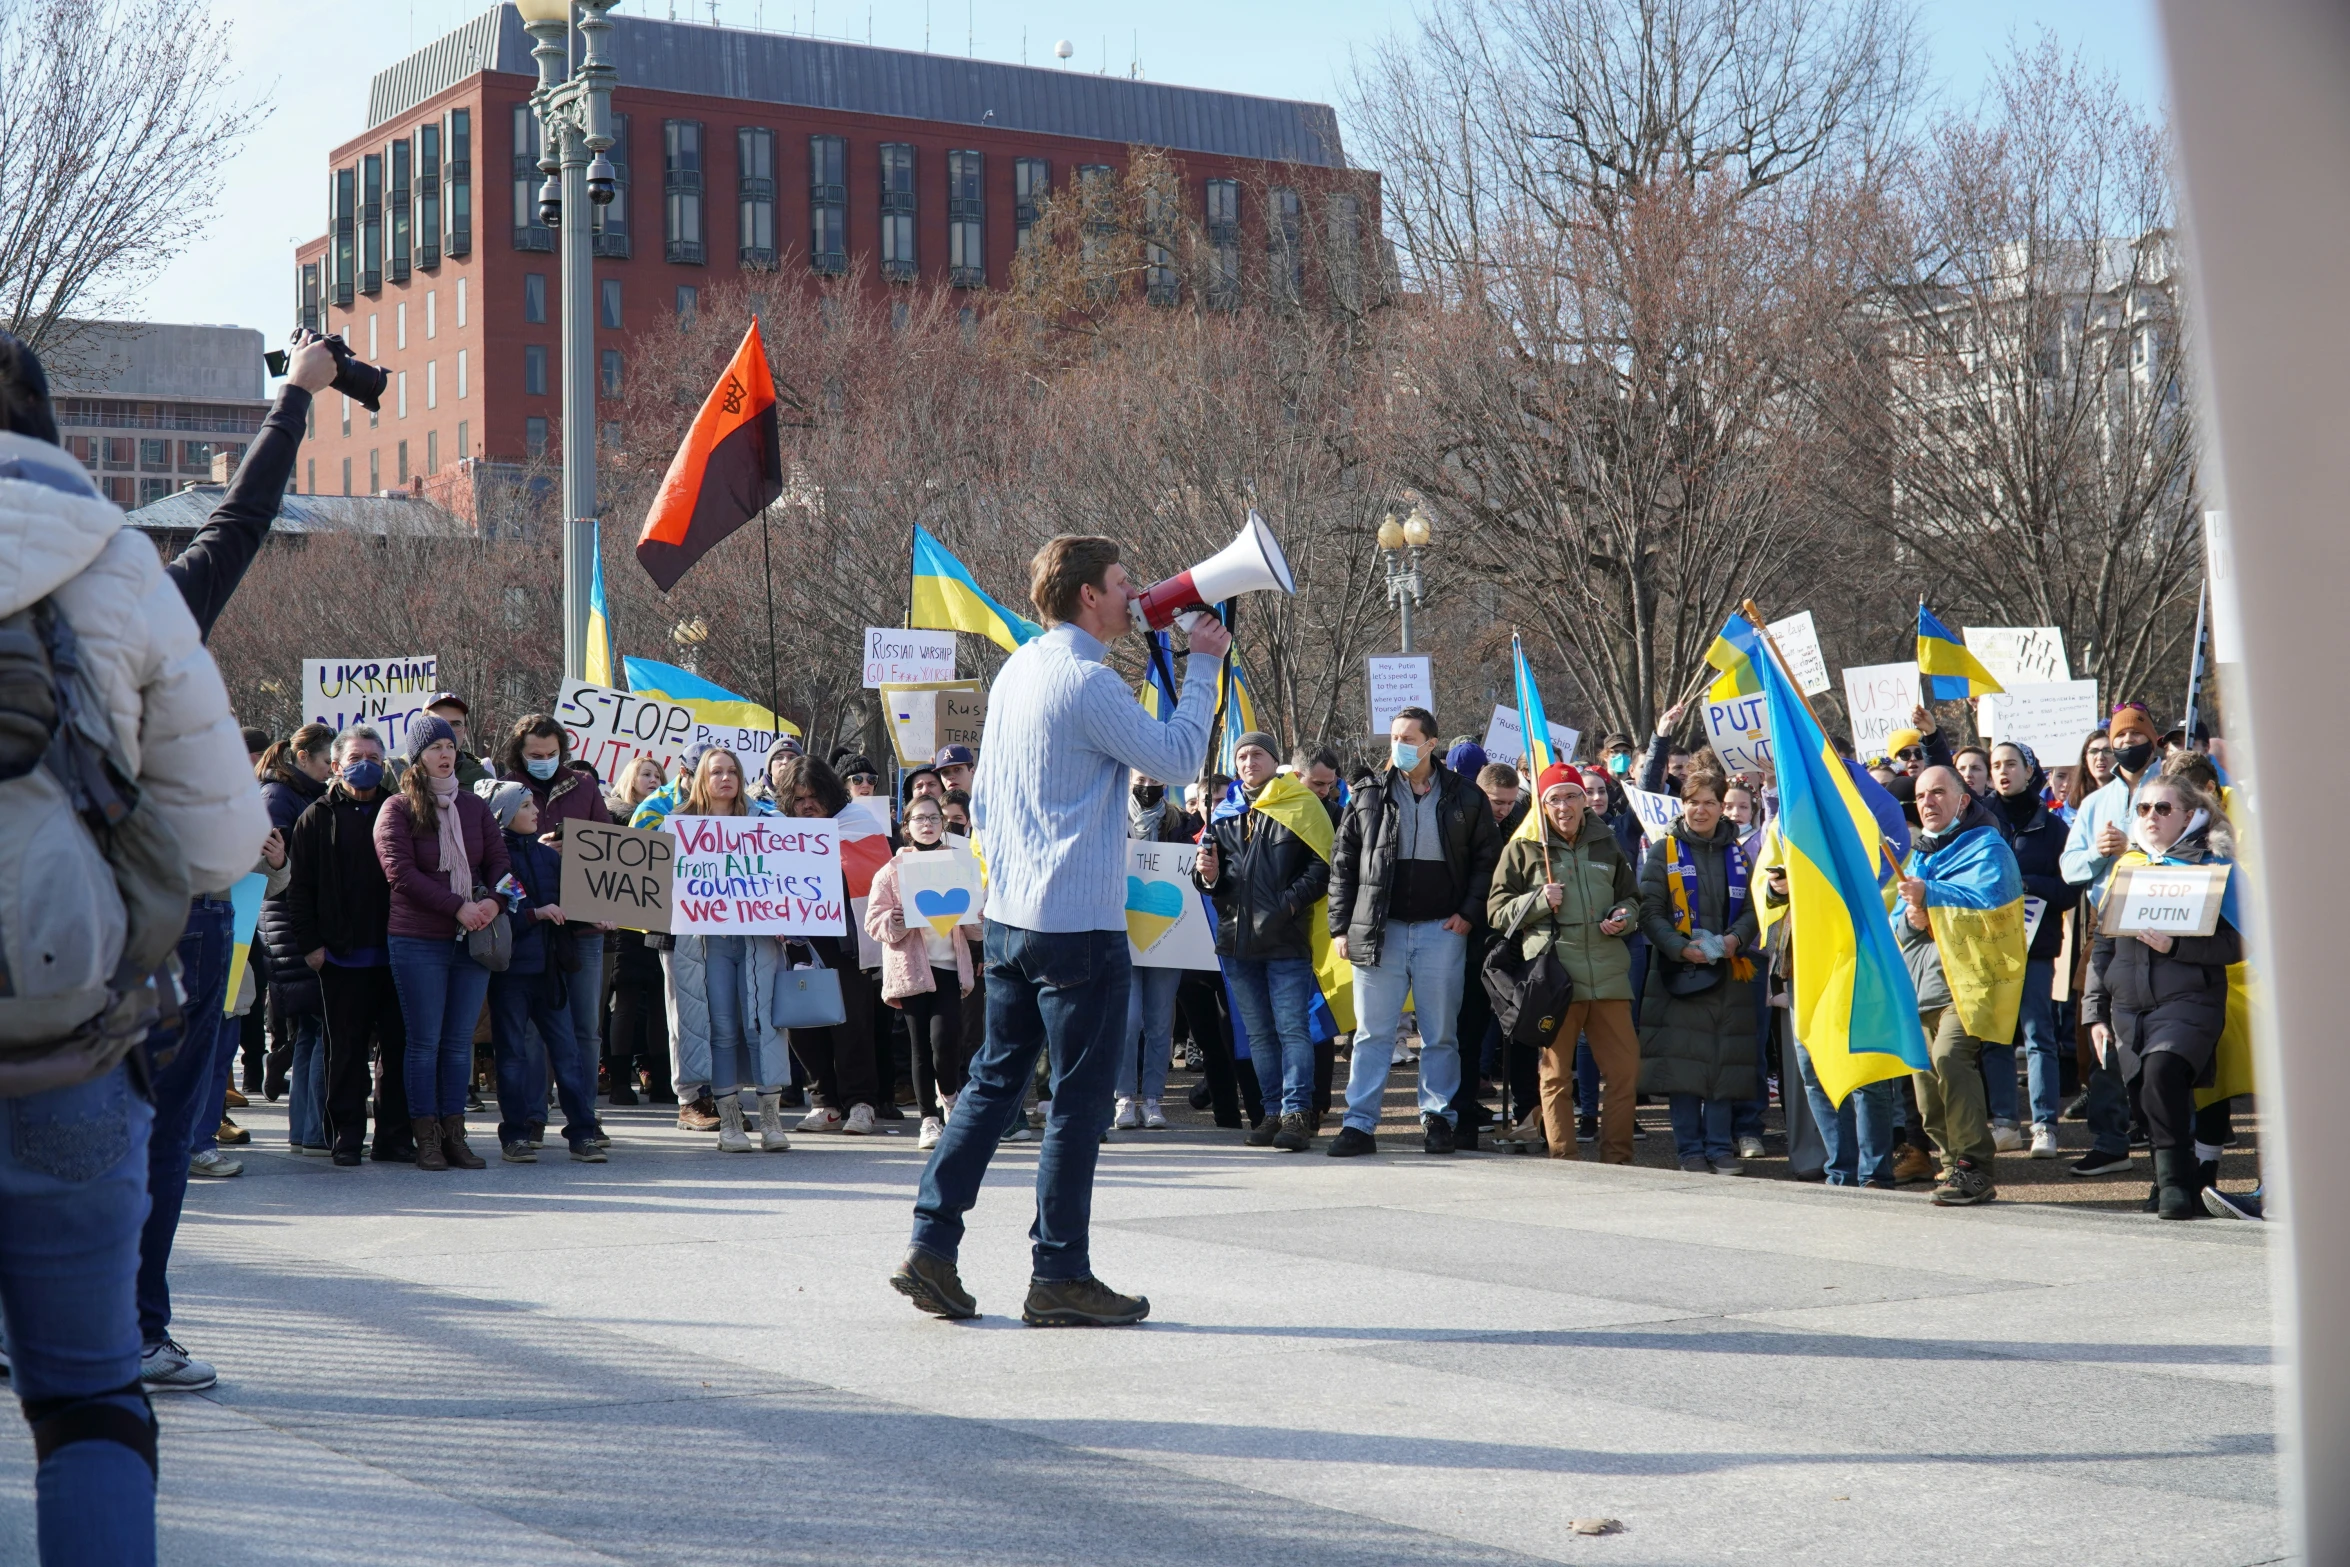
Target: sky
point(312, 62)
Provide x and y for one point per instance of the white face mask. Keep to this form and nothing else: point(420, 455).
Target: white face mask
point(1404, 754)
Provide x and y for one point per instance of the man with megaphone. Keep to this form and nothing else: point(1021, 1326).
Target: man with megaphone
point(1048, 808)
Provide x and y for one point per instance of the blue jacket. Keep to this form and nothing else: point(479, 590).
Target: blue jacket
point(540, 870)
point(2039, 854)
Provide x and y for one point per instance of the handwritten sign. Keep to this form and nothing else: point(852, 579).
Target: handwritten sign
point(617, 875)
point(756, 876)
point(912, 714)
point(2019, 655)
point(1798, 642)
point(1880, 698)
point(960, 718)
point(2174, 900)
point(1166, 924)
point(1397, 682)
point(1657, 812)
point(2053, 719)
point(897, 657)
point(2035, 910)
point(1505, 739)
point(610, 729)
point(385, 692)
point(1740, 729)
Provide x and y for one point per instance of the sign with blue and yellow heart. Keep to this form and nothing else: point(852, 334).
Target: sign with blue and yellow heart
point(939, 888)
point(1166, 927)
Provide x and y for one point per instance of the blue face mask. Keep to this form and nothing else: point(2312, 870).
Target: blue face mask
point(363, 774)
point(1619, 764)
point(541, 767)
point(1405, 755)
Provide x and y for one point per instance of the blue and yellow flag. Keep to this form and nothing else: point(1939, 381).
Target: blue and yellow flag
point(1288, 801)
point(947, 599)
point(1534, 734)
point(596, 667)
point(1240, 710)
point(1975, 904)
point(1856, 1010)
point(1952, 673)
point(1735, 653)
point(712, 704)
point(1157, 693)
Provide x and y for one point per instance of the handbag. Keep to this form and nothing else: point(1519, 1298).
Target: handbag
point(1529, 995)
point(808, 995)
point(492, 946)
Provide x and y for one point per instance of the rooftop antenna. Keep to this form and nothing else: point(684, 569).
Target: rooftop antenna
point(1062, 51)
point(925, 26)
point(971, 28)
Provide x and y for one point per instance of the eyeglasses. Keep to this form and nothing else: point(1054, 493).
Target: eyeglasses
point(2155, 807)
point(863, 778)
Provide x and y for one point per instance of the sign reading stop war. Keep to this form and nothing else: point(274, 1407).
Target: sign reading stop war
point(757, 876)
point(2172, 900)
point(615, 875)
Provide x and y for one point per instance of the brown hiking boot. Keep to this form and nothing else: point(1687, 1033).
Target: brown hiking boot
point(1080, 1303)
point(933, 1285)
point(453, 1146)
point(700, 1116)
point(1913, 1164)
point(428, 1144)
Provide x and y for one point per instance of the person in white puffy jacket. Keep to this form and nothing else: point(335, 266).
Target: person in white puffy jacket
point(75, 1161)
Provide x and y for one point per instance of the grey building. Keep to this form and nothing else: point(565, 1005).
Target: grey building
point(147, 406)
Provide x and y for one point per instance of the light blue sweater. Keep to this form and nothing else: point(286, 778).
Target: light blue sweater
point(2110, 805)
point(1048, 800)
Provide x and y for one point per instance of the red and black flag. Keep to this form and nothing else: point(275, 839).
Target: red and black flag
point(729, 470)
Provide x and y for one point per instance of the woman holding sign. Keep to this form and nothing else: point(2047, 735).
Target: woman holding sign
point(2037, 836)
point(926, 971)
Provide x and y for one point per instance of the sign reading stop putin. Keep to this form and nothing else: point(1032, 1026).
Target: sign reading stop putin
point(2165, 900)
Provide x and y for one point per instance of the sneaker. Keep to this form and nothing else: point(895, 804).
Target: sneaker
point(1154, 1119)
point(1967, 1183)
point(1351, 1142)
point(588, 1153)
point(232, 1134)
point(1080, 1303)
point(313, 1150)
point(622, 1094)
point(933, 1285)
point(927, 1138)
point(168, 1368)
point(346, 1158)
point(822, 1119)
point(1292, 1137)
point(518, 1151)
point(1912, 1165)
point(860, 1121)
point(888, 1112)
point(1750, 1148)
point(2245, 1205)
point(2006, 1137)
point(701, 1115)
point(1726, 1166)
point(214, 1165)
point(2095, 1163)
point(1436, 1135)
point(2044, 1141)
point(1017, 1134)
point(946, 1109)
point(537, 1135)
point(902, 1092)
point(473, 1100)
point(2078, 1110)
point(1262, 1134)
point(1128, 1117)
point(1694, 1164)
point(236, 1101)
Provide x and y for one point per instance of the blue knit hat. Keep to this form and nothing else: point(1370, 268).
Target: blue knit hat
point(423, 730)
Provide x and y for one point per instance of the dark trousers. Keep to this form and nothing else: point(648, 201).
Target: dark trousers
point(363, 1022)
point(1061, 995)
point(640, 1032)
point(185, 1095)
point(1199, 1001)
point(840, 1059)
point(934, 1022)
point(518, 1001)
point(1476, 1014)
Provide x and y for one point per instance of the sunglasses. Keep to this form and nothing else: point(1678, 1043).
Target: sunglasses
point(2155, 807)
point(1915, 753)
point(868, 778)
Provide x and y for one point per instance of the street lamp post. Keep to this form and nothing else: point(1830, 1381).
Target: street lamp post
point(575, 117)
point(1402, 542)
point(689, 635)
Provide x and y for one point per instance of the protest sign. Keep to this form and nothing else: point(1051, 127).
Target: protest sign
point(939, 888)
point(1657, 812)
point(1505, 739)
point(897, 657)
point(1798, 642)
point(2035, 910)
point(1398, 682)
point(1880, 698)
point(2174, 900)
point(2219, 569)
point(385, 692)
point(1740, 729)
point(610, 729)
point(756, 876)
point(616, 875)
point(912, 711)
point(959, 719)
point(864, 850)
point(244, 901)
point(2052, 719)
point(2019, 655)
point(1166, 924)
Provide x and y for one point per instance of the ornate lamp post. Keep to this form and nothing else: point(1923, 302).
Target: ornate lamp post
point(689, 635)
point(1402, 542)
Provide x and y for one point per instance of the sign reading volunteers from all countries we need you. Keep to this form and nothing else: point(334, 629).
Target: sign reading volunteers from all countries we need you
point(756, 876)
point(385, 692)
point(896, 657)
point(610, 729)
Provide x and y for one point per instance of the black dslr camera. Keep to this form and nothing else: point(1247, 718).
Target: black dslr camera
point(355, 378)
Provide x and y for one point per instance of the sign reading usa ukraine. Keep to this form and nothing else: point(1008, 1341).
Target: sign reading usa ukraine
point(756, 876)
point(1166, 926)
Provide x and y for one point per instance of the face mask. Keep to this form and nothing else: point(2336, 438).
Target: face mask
point(1149, 794)
point(1405, 755)
point(541, 767)
point(2134, 756)
point(363, 774)
point(1619, 764)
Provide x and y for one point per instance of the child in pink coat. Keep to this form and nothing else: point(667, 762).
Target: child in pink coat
point(917, 966)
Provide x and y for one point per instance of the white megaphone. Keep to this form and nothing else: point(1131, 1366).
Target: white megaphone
point(1248, 564)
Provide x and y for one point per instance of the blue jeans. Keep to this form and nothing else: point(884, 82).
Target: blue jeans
point(1586, 1079)
point(587, 1001)
point(306, 1085)
point(517, 1001)
point(2036, 1028)
point(441, 991)
point(1701, 1127)
point(731, 1064)
point(1422, 960)
point(73, 1193)
point(1150, 1019)
point(1274, 995)
point(1859, 1132)
point(1059, 993)
point(179, 1096)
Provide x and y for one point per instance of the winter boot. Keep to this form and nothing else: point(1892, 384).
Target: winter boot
point(771, 1137)
point(2182, 1191)
point(731, 1136)
point(428, 1144)
point(453, 1146)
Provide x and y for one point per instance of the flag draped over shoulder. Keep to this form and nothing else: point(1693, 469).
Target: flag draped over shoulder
point(729, 470)
point(1855, 1009)
point(712, 704)
point(1534, 734)
point(947, 598)
point(1296, 807)
point(1975, 904)
point(1953, 674)
point(597, 666)
point(1735, 653)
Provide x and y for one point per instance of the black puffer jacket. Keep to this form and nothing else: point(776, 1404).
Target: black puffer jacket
point(293, 988)
point(1362, 869)
point(338, 898)
point(1267, 880)
point(2037, 835)
point(2175, 1000)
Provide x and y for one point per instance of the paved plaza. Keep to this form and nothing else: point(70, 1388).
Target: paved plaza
point(683, 1357)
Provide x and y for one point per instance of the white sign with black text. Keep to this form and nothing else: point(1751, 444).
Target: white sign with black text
point(1740, 729)
point(1798, 643)
point(1657, 812)
point(896, 657)
point(1399, 681)
point(1880, 698)
point(1505, 740)
point(387, 693)
point(2053, 719)
point(2019, 655)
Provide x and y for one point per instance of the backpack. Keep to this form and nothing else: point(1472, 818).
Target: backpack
point(93, 891)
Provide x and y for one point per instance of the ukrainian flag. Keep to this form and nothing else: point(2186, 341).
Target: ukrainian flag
point(1240, 710)
point(947, 599)
point(598, 657)
point(712, 704)
point(1288, 801)
point(1855, 1008)
point(1734, 653)
point(1157, 695)
point(1953, 674)
point(1975, 904)
point(1534, 733)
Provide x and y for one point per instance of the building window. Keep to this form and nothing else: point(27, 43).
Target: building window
point(534, 370)
point(432, 451)
point(1346, 254)
point(371, 223)
point(460, 391)
point(1159, 283)
point(1283, 224)
point(754, 150)
point(402, 457)
point(154, 455)
point(1223, 220)
point(400, 384)
point(400, 214)
point(534, 437)
point(400, 324)
point(966, 219)
point(897, 211)
point(828, 204)
point(609, 222)
point(428, 196)
point(432, 383)
point(346, 418)
point(84, 447)
point(1032, 181)
point(310, 475)
point(346, 476)
point(432, 314)
point(681, 189)
point(529, 232)
point(460, 186)
point(608, 296)
point(309, 308)
point(195, 456)
point(375, 470)
point(608, 366)
point(119, 451)
point(461, 301)
point(464, 439)
point(1097, 226)
point(346, 232)
point(534, 298)
point(689, 303)
point(153, 490)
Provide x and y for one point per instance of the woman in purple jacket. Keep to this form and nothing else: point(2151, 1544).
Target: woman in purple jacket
point(441, 852)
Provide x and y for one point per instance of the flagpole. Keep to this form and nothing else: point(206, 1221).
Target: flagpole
point(1754, 618)
point(2195, 664)
point(774, 680)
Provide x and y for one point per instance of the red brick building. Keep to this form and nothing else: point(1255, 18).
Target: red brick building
point(739, 152)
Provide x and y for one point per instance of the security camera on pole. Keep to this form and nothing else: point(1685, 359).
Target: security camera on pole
point(575, 117)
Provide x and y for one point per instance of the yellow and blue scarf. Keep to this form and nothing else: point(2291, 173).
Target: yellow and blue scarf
point(1681, 877)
